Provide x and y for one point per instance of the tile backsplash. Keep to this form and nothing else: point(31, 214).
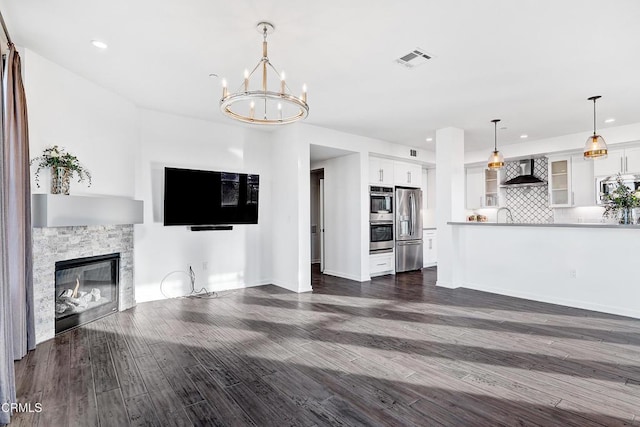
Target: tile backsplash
point(528, 204)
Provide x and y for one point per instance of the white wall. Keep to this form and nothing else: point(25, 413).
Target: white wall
point(291, 247)
point(350, 142)
point(536, 263)
point(94, 124)
point(220, 259)
point(343, 188)
point(429, 208)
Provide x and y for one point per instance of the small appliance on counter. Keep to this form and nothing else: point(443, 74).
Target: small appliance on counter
point(408, 229)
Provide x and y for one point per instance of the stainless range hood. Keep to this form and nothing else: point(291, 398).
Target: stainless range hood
point(526, 177)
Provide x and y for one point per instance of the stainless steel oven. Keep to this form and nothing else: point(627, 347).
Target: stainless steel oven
point(381, 236)
point(380, 203)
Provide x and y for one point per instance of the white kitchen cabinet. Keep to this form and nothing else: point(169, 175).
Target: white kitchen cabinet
point(380, 171)
point(611, 165)
point(632, 162)
point(625, 161)
point(583, 185)
point(429, 256)
point(560, 182)
point(475, 187)
point(407, 174)
point(482, 188)
point(380, 264)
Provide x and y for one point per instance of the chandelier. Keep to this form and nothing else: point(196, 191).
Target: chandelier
point(263, 106)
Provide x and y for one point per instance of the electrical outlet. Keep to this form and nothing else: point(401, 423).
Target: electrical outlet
point(205, 264)
point(573, 274)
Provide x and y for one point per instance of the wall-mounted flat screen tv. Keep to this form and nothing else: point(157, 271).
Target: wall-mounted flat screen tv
point(199, 197)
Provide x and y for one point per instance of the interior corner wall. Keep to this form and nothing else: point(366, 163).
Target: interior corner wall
point(291, 242)
point(221, 260)
point(90, 122)
point(343, 223)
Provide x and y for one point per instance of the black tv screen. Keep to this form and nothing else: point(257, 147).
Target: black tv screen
point(198, 197)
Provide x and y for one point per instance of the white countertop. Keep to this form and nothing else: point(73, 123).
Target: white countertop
point(574, 225)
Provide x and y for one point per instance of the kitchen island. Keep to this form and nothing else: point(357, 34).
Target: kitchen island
point(591, 266)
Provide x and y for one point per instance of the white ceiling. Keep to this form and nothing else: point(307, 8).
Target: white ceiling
point(532, 63)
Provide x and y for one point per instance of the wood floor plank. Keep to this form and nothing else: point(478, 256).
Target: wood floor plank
point(162, 396)
point(226, 410)
point(129, 379)
point(56, 391)
point(104, 373)
point(180, 383)
point(111, 409)
point(141, 411)
point(83, 409)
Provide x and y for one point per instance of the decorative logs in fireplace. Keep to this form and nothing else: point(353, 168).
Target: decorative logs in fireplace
point(76, 302)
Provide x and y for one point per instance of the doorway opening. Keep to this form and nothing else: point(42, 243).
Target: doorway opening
point(317, 218)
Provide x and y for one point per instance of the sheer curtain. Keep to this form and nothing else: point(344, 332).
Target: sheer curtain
point(17, 329)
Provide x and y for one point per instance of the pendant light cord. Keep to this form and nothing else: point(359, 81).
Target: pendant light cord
point(495, 134)
point(594, 116)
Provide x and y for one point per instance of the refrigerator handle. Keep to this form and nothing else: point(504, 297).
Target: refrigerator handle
point(413, 213)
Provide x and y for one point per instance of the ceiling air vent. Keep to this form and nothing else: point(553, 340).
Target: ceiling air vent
point(414, 58)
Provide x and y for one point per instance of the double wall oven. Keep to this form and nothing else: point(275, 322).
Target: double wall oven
point(380, 219)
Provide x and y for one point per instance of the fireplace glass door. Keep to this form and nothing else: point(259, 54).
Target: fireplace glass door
point(85, 289)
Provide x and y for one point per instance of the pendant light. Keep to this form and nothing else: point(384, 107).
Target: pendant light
point(595, 147)
point(496, 160)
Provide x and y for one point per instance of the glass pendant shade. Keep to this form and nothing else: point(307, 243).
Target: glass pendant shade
point(496, 161)
point(595, 148)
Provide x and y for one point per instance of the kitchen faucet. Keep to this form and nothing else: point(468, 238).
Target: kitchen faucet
point(508, 218)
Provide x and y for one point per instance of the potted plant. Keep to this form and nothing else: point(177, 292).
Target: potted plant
point(63, 165)
point(620, 202)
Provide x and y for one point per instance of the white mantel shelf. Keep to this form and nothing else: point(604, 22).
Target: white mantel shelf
point(552, 225)
point(55, 210)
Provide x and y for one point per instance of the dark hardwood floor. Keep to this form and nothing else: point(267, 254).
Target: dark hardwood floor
point(395, 351)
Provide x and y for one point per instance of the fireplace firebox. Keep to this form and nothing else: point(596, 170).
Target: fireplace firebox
point(85, 290)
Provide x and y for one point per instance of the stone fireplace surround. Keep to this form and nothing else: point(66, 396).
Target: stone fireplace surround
point(51, 244)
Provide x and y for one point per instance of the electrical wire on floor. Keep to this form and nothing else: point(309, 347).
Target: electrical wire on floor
point(203, 293)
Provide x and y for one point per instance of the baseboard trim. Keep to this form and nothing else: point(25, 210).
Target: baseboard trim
point(585, 305)
point(446, 285)
point(344, 275)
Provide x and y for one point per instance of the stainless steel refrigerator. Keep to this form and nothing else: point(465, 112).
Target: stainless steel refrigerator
point(408, 229)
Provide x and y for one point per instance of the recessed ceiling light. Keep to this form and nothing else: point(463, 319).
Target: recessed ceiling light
point(524, 136)
point(99, 44)
point(429, 139)
point(611, 120)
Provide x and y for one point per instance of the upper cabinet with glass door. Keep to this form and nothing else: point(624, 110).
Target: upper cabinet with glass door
point(560, 182)
point(482, 188)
